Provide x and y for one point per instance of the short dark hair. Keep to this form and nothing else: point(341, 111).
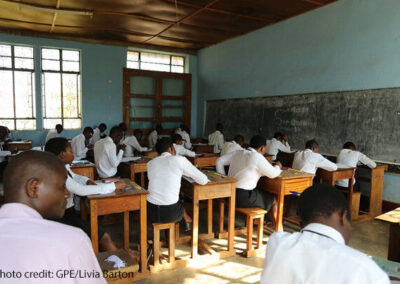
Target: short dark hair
point(137, 132)
point(158, 127)
point(103, 125)
point(349, 145)
point(278, 135)
point(115, 131)
point(163, 144)
point(56, 145)
point(239, 138)
point(175, 137)
point(321, 200)
point(122, 126)
point(257, 141)
point(219, 126)
point(184, 127)
point(59, 126)
point(311, 144)
point(88, 129)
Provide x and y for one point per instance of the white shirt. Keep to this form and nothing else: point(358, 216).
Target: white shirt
point(96, 136)
point(76, 184)
point(351, 158)
point(131, 144)
point(229, 147)
point(51, 134)
point(3, 155)
point(165, 173)
point(274, 146)
point(186, 137)
point(182, 151)
point(247, 166)
point(317, 257)
point(217, 139)
point(153, 139)
point(78, 147)
point(106, 158)
point(308, 161)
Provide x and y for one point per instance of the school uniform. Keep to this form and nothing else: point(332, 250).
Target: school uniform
point(153, 136)
point(247, 166)
point(308, 161)
point(230, 147)
point(106, 157)
point(217, 139)
point(51, 134)
point(78, 146)
point(274, 146)
point(132, 144)
point(316, 255)
point(185, 137)
point(351, 159)
point(29, 243)
point(96, 136)
point(182, 151)
point(165, 173)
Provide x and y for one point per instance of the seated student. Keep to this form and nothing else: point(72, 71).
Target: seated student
point(34, 194)
point(310, 160)
point(80, 143)
point(348, 156)
point(179, 148)
point(132, 143)
point(232, 146)
point(183, 131)
point(81, 186)
point(54, 132)
point(247, 166)
point(124, 129)
point(98, 133)
point(278, 143)
point(217, 138)
point(165, 173)
point(153, 136)
point(3, 150)
point(105, 153)
point(318, 253)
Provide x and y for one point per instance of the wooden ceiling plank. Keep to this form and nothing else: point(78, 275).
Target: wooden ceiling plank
point(55, 16)
point(314, 2)
point(135, 16)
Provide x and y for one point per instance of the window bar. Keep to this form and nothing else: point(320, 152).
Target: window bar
point(32, 101)
point(77, 96)
point(13, 84)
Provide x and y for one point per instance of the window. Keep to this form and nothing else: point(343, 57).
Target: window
point(156, 62)
point(61, 88)
point(17, 92)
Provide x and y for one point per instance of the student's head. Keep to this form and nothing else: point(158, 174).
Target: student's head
point(219, 127)
point(278, 136)
point(102, 127)
point(184, 127)
point(258, 143)
point(138, 133)
point(158, 127)
point(60, 147)
point(123, 126)
point(312, 145)
point(239, 139)
point(324, 204)
point(37, 179)
point(3, 133)
point(116, 134)
point(163, 145)
point(177, 139)
point(88, 132)
point(59, 128)
point(349, 145)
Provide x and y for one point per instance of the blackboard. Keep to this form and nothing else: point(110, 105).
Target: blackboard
point(369, 118)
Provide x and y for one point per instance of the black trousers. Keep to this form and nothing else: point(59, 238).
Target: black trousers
point(164, 213)
point(256, 198)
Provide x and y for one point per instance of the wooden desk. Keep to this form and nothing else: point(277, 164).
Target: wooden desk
point(122, 202)
point(208, 160)
point(129, 169)
point(203, 148)
point(288, 181)
point(19, 145)
point(87, 170)
point(393, 217)
point(219, 187)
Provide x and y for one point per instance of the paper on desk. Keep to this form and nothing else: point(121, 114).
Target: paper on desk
point(118, 263)
point(391, 268)
point(130, 159)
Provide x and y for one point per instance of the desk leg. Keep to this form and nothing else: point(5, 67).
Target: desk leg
point(143, 234)
point(94, 234)
point(209, 216)
point(195, 229)
point(376, 192)
point(394, 242)
point(280, 201)
point(126, 230)
point(132, 172)
point(142, 179)
point(231, 218)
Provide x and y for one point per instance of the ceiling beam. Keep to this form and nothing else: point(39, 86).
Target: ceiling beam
point(55, 16)
point(314, 2)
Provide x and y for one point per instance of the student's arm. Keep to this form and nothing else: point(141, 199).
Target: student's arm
point(80, 148)
point(191, 171)
point(188, 144)
point(284, 147)
point(187, 152)
point(112, 157)
point(220, 141)
point(223, 161)
point(367, 161)
point(81, 189)
point(78, 178)
point(135, 144)
point(325, 164)
point(266, 169)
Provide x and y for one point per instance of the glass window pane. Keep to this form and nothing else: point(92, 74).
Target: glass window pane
point(52, 65)
point(72, 123)
point(7, 123)
point(5, 62)
point(70, 95)
point(5, 50)
point(50, 53)
point(177, 69)
point(177, 60)
point(26, 124)
point(51, 123)
point(24, 63)
point(23, 94)
point(133, 56)
point(70, 66)
point(155, 67)
point(71, 55)
point(6, 95)
point(133, 64)
point(155, 58)
point(23, 51)
point(52, 95)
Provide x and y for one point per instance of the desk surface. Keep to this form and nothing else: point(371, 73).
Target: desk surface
point(19, 142)
point(291, 174)
point(82, 165)
point(142, 160)
point(214, 178)
point(391, 216)
point(137, 190)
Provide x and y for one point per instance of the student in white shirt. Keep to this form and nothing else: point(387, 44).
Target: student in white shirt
point(153, 136)
point(318, 253)
point(247, 166)
point(105, 153)
point(124, 130)
point(278, 143)
point(217, 138)
point(310, 160)
point(179, 148)
point(54, 132)
point(35, 194)
point(3, 150)
point(350, 157)
point(132, 144)
point(165, 173)
point(81, 143)
point(98, 133)
point(183, 131)
point(232, 146)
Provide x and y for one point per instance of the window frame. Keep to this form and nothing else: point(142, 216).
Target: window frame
point(139, 61)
